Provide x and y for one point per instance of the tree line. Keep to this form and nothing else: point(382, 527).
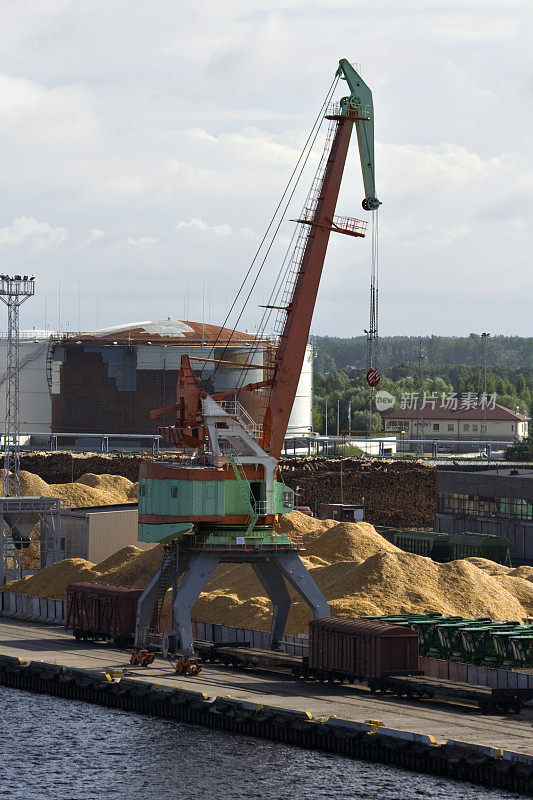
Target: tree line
point(513, 352)
point(340, 367)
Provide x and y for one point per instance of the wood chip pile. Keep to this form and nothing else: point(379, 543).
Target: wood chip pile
point(88, 490)
point(358, 571)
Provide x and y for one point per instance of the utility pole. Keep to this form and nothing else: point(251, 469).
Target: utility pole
point(372, 332)
point(326, 417)
point(420, 418)
point(484, 337)
point(338, 417)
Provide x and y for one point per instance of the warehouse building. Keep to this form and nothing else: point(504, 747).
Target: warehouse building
point(495, 424)
point(495, 501)
point(96, 532)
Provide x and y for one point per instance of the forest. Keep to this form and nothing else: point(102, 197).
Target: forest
point(410, 364)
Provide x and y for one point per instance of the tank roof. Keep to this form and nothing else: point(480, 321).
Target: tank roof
point(167, 331)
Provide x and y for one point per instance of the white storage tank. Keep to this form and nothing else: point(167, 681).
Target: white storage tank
point(35, 401)
point(301, 419)
point(108, 381)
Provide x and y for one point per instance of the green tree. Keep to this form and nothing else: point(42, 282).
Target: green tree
point(520, 451)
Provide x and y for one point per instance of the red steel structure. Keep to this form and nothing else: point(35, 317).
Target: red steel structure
point(223, 504)
point(299, 313)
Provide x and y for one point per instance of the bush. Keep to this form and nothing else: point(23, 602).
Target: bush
point(520, 451)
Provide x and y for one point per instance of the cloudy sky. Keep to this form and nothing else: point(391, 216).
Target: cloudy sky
point(144, 147)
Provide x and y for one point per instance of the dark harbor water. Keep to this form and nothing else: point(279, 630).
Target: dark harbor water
point(54, 749)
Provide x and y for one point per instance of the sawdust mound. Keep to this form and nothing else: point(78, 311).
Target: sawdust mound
point(521, 589)
point(119, 560)
point(116, 485)
point(130, 567)
point(386, 582)
point(348, 541)
point(492, 567)
point(296, 525)
point(136, 573)
point(89, 490)
point(52, 581)
point(81, 495)
point(358, 571)
point(33, 486)
point(525, 572)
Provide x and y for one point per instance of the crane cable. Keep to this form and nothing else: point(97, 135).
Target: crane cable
point(300, 165)
point(283, 272)
point(374, 286)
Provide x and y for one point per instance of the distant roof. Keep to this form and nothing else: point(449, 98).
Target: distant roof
point(169, 331)
point(83, 510)
point(477, 413)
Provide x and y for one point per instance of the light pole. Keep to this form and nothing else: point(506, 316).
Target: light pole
point(484, 337)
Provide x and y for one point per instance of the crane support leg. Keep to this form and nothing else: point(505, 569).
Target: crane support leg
point(200, 569)
point(166, 577)
point(271, 577)
point(300, 578)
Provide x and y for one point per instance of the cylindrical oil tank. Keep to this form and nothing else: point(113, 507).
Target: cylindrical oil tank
point(35, 406)
point(301, 419)
point(361, 648)
point(109, 380)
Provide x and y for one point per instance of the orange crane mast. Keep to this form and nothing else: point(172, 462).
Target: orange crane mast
point(221, 506)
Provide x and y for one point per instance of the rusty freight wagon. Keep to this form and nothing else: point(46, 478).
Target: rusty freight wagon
point(95, 611)
point(341, 648)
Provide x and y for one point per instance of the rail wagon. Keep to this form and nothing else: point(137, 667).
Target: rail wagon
point(96, 611)
point(359, 649)
point(444, 547)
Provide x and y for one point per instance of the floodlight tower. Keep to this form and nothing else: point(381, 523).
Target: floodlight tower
point(14, 291)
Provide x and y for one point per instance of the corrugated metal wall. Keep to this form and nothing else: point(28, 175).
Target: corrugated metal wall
point(110, 531)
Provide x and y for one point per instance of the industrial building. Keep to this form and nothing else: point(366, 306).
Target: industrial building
point(495, 501)
point(494, 424)
point(108, 381)
point(96, 532)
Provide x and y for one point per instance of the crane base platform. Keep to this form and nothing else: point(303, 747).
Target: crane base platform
point(187, 571)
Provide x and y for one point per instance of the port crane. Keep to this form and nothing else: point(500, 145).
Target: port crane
point(222, 504)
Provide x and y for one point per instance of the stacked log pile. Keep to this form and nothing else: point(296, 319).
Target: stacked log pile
point(66, 467)
point(395, 493)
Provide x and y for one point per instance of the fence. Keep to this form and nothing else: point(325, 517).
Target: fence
point(226, 634)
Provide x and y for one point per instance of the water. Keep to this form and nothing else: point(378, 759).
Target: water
point(54, 749)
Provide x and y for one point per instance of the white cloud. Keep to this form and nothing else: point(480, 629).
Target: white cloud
point(29, 232)
point(199, 224)
point(201, 135)
point(142, 240)
point(208, 133)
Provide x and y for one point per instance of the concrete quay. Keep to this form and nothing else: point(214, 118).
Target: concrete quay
point(53, 645)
